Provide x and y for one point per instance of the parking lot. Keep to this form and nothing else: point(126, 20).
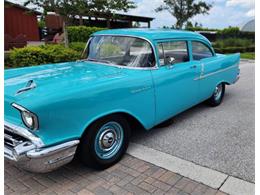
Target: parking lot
point(221, 138)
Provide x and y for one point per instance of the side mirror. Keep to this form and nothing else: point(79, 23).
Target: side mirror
point(170, 60)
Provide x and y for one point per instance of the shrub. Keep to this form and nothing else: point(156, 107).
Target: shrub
point(81, 33)
point(234, 32)
point(235, 49)
point(78, 46)
point(109, 50)
point(233, 42)
point(35, 55)
point(249, 55)
point(229, 32)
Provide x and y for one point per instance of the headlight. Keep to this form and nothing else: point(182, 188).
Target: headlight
point(29, 119)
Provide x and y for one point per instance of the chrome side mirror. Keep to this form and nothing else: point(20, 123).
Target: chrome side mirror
point(170, 60)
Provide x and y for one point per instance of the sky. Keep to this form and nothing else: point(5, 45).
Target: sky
point(223, 13)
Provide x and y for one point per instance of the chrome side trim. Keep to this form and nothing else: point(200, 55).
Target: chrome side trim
point(141, 89)
point(18, 107)
point(213, 73)
point(24, 133)
point(126, 67)
point(36, 153)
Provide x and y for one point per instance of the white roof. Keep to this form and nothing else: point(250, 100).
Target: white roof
point(248, 26)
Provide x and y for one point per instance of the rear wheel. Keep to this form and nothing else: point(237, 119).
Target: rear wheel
point(105, 142)
point(217, 96)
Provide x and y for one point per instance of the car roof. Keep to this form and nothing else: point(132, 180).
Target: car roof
point(154, 34)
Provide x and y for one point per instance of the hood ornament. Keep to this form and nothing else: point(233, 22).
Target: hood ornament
point(29, 85)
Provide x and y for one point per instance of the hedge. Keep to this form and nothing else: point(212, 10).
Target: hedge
point(81, 33)
point(35, 55)
point(233, 42)
point(77, 46)
point(235, 49)
point(230, 32)
point(234, 32)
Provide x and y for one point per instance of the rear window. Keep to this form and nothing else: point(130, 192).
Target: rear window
point(200, 51)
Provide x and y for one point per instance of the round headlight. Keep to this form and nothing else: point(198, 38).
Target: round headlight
point(27, 119)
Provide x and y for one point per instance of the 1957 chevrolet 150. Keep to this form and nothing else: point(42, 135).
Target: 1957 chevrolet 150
point(87, 107)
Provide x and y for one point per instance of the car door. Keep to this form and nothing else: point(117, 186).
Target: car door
point(204, 55)
point(174, 81)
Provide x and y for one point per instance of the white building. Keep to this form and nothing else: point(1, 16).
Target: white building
point(248, 26)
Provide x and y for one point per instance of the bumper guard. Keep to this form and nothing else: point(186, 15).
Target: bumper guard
point(28, 152)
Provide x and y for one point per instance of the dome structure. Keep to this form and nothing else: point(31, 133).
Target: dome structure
point(249, 26)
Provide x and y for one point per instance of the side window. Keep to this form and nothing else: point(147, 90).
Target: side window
point(161, 54)
point(173, 52)
point(200, 51)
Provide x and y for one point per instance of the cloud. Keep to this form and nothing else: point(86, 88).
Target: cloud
point(251, 13)
point(242, 3)
point(224, 13)
point(222, 16)
point(147, 7)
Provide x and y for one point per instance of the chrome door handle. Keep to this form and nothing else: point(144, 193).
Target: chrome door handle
point(194, 66)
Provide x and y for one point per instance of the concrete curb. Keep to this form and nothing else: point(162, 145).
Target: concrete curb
point(237, 186)
point(207, 176)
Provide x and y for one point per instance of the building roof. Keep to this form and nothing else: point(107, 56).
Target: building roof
point(249, 26)
point(154, 34)
point(121, 16)
point(11, 4)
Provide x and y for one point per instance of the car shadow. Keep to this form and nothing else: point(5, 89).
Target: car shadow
point(141, 133)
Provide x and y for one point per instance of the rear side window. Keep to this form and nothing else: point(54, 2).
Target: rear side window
point(173, 52)
point(200, 51)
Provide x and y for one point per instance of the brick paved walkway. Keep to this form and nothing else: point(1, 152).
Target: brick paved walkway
point(129, 176)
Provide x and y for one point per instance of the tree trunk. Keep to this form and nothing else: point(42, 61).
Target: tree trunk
point(108, 23)
point(80, 20)
point(66, 39)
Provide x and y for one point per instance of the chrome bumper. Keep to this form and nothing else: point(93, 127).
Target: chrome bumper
point(28, 152)
point(237, 78)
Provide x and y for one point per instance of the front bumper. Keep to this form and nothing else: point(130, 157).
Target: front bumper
point(237, 78)
point(28, 151)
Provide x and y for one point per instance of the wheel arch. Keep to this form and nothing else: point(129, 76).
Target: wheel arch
point(224, 82)
point(132, 120)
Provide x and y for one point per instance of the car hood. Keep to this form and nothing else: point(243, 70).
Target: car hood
point(56, 78)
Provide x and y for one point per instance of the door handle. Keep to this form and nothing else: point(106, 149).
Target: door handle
point(194, 66)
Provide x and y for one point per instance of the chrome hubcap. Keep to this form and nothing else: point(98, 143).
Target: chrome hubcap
point(107, 139)
point(218, 92)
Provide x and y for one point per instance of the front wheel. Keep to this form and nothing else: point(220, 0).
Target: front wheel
point(104, 142)
point(217, 95)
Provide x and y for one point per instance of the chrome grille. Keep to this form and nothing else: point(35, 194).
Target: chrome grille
point(11, 139)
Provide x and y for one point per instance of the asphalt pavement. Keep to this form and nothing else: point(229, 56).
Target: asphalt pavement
point(221, 138)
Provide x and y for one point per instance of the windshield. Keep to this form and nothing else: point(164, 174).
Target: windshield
point(121, 50)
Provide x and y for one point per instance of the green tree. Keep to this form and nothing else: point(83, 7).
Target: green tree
point(64, 8)
point(108, 7)
point(184, 10)
point(70, 8)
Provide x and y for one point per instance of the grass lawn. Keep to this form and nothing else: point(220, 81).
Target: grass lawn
point(248, 55)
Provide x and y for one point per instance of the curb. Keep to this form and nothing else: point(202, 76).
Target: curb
point(207, 176)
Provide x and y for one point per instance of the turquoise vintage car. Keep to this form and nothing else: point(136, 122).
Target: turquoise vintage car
point(88, 107)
